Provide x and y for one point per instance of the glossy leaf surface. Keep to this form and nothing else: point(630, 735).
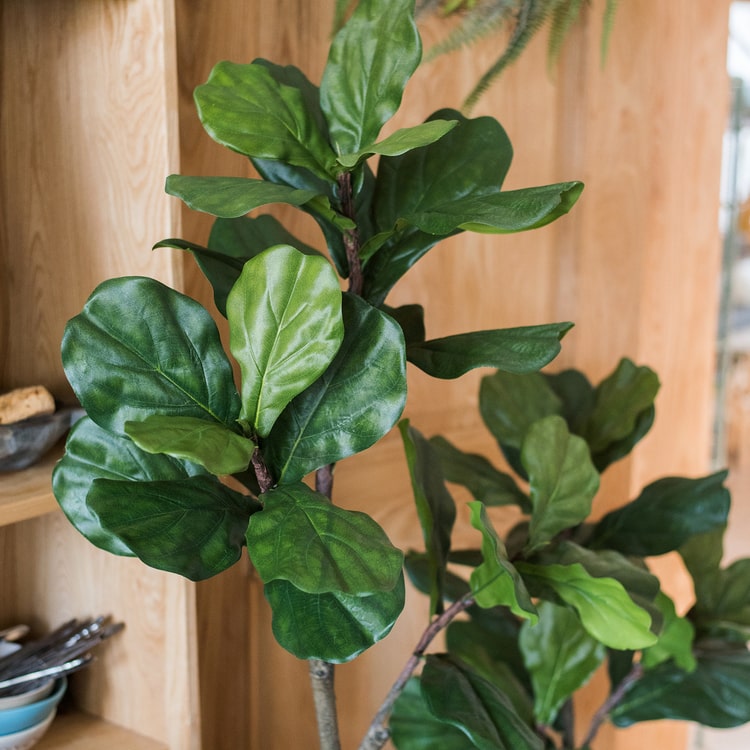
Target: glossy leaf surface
point(194, 527)
point(331, 626)
point(301, 537)
point(285, 328)
point(354, 403)
point(675, 640)
point(139, 348)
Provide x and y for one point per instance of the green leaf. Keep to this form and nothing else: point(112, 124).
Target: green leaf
point(351, 406)
point(496, 581)
point(285, 328)
point(510, 403)
point(411, 320)
point(562, 479)
point(621, 448)
point(486, 483)
point(675, 640)
point(602, 604)
point(467, 701)
point(419, 570)
point(370, 60)
point(577, 396)
point(300, 537)
point(401, 141)
point(194, 527)
point(516, 350)
point(209, 444)
point(332, 626)
point(139, 348)
point(231, 244)
point(414, 727)
point(560, 657)
point(232, 197)
point(435, 507)
point(245, 108)
point(716, 693)
point(664, 516)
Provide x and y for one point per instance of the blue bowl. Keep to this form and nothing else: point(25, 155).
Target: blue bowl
point(22, 717)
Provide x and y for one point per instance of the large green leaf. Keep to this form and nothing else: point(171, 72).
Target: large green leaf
point(247, 109)
point(524, 349)
point(210, 444)
point(331, 626)
point(486, 483)
point(351, 406)
point(93, 453)
point(139, 348)
point(664, 516)
point(467, 701)
point(411, 320)
point(233, 242)
point(231, 197)
point(285, 328)
point(414, 727)
point(560, 657)
point(194, 527)
point(716, 693)
point(369, 62)
point(496, 581)
point(419, 570)
point(562, 479)
point(435, 507)
point(301, 537)
point(577, 396)
point(675, 640)
point(602, 604)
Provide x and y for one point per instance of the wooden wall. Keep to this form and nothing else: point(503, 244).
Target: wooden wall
point(635, 266)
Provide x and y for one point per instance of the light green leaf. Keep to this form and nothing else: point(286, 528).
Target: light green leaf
point(245, 108)
point(209, 444)
point(675, 640)
point(401, 141)
point(602, 604)
point(300, 537)
point(331, 626)
point(562, 479)
point(285, 328)
point(139, 348)
point(560, 657)
point(232, 197)
point(496, 581)
point(516, 350)
point(351, 406)
point(370, 60)
point(194, 527)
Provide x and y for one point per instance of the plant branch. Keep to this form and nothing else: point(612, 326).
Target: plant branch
point(262, 474)
point(614, 698)
point(351, 236)
point(324, 697)
point(378, 733)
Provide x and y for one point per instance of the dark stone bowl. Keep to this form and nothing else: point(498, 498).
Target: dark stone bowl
point(23, 443)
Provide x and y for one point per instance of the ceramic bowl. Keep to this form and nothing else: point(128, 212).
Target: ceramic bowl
point(17, 719)
point(26, 738)
point(37, 692)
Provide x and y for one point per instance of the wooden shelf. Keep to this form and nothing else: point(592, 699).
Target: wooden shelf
point(27, 493)
point(77, 731)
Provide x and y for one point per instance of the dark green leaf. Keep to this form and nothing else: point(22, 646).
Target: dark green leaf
point(496, 581)
point(664, 516)
point(247, 109)
point(435, 507)
point(139, 348)
point(419, 570)
point(562, 479)
point(301, 537)
point(209, 444)
point(486, 483)
point(351, 405)
point(476, 707)
point(369, 63)
point(194, 527)
point(716, 694)
point(675, 640)
point(411, 320)
point(285, 328)
point(331, 626)
point(577, 396)
point(621, 448)
point(516, 350)
point(560, 657)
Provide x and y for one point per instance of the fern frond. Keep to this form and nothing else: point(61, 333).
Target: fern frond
point(608, 23)
point(564, 16)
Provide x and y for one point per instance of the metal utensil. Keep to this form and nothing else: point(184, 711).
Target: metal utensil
point(14, 633)
point(70, 666)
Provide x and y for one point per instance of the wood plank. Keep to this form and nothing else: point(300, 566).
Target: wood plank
point(28, 493)
point(78, 731)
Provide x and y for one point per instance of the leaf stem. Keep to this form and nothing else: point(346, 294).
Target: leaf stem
point(378, 733)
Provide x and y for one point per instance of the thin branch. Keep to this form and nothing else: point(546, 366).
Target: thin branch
point(351, 236)
point(378, 734)
point(324, 697)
